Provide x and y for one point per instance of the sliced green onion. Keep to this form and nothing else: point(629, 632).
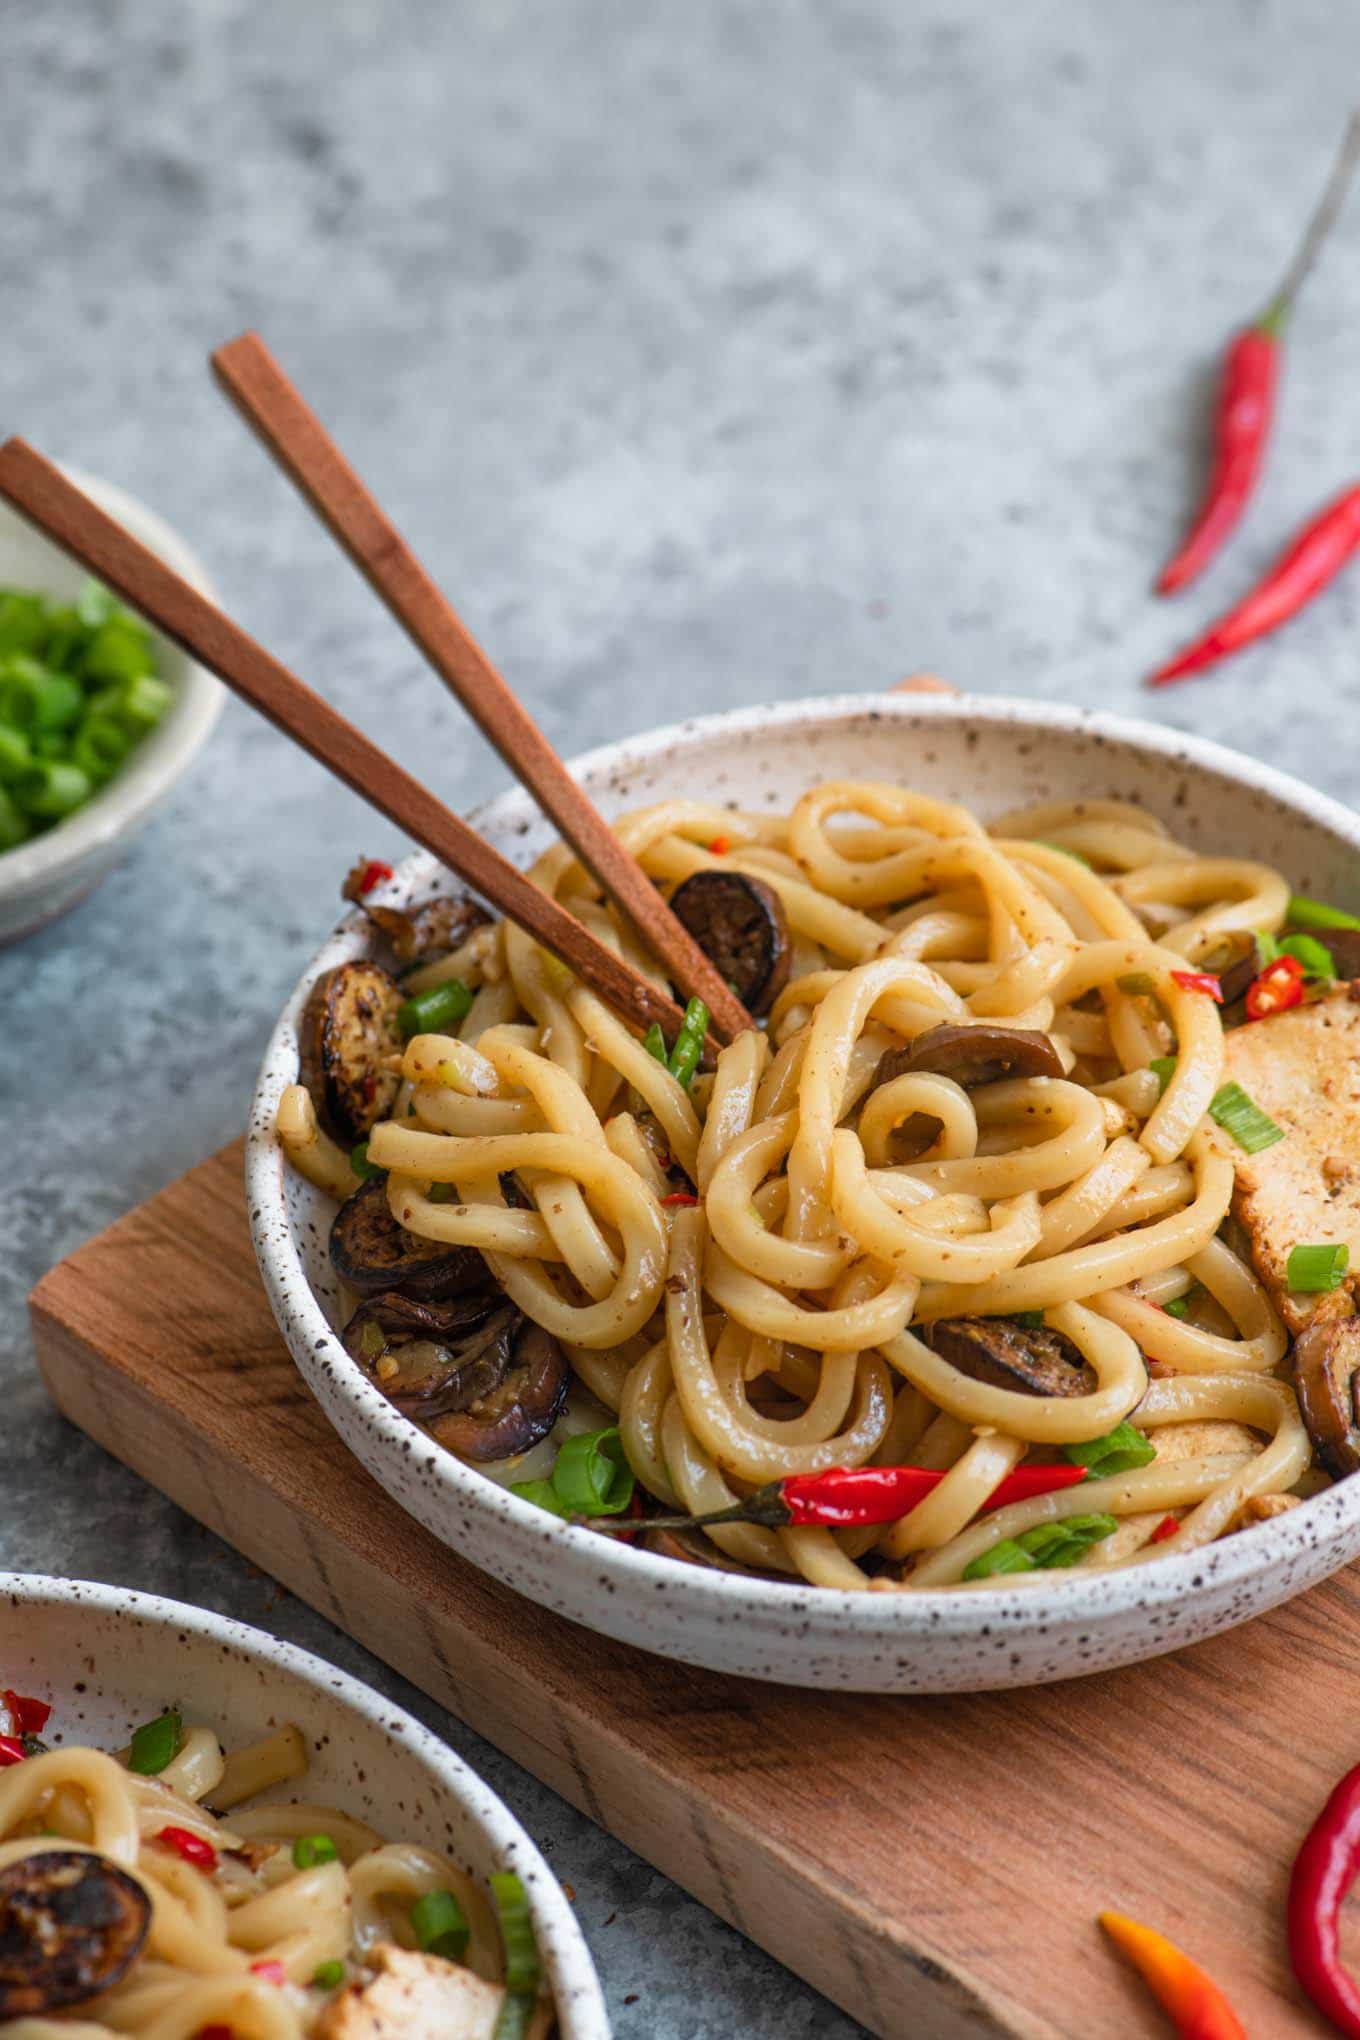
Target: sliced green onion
point(689, 1043)
point(440, 1925)
point(517, 1933)
point(15, 752)
point(95, 604)
point(33, 699)
point(1047, 844)
point(328, 1976)
point(1163, 1068)
point(15, 828)
point(1002, 1558)
point(1315, 956)
point(1179, 1307)
point(515, 2016)
point(541, 1493)
point(1311, 1270)
point(118, 650)
point(99, 747)
point(1306, 913)
point(1267, 950)
point(50, 789)
point(1139, 984)
point(591, 1476)
point(1244, 1120)
point(440, 1193)
point(309, 1850)
point(1119, 1451)
point(23, 621)
point(435, 1011)
point(361, 1165)
point(654, 1041)
point(142, 701)
point(1030, 1319)
point(154, 1744)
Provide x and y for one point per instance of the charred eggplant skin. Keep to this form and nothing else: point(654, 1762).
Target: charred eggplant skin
point(372, 1253)
point(71, 1924)
point(1326, 1368)
point(349, 1027)
point(1033, 1360)
point(982, 1053)
point(499, 1382)
point(740, 924)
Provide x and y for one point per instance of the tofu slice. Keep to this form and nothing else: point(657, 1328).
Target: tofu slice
point(413, 1997)
point(1303, 1068)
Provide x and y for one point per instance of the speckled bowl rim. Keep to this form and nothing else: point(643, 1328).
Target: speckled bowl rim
point(1068, 1601)
point(576, 1987)
point(167, 752)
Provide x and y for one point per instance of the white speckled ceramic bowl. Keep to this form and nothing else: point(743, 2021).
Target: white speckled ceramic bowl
point(107, 1659)
point(992, 754)
point(53, 872)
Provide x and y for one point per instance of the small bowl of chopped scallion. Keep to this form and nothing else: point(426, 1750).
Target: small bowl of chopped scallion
point(99, 715)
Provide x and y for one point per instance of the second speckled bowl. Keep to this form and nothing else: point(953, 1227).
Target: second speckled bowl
point(107, 1659)
point(994, 755)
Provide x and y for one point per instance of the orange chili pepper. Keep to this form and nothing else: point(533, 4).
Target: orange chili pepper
point(1192, 2001)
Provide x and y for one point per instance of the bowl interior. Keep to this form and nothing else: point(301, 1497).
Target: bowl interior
point(993, 755)
point(108, 1659)
point(30, 561)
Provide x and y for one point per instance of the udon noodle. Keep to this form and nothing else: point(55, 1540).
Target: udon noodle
point(747, 1273)
point(265, 1923)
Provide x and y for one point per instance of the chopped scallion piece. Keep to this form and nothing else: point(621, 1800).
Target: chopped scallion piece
point(329, 1976)
point(1004, 1557)
point(517, 1933)
point(1315, 956)
point(435, 1011)
point(1306, 913)
point(440, 1925)
point(361, 1165)
point(309, 1850)
point(154, 1744)
point(1310, 1271)
point(514, 2017)
point(1179, 1307)
point(541, 1493)
point(1243, 1119)
point(1030, 1319)
point(654, 1041)
point(689, 1043)
point(1048, 1545)
point(1163, 1068)
point(1119, 1451)
point(591, 1476)
point(1139, 984)
point(1267, 950)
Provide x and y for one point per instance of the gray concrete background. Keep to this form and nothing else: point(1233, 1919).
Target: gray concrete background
point(710, 354)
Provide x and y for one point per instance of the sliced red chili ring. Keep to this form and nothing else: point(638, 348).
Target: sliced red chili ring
point(1199, 981)
point(1279, 987)
point(193, 1848)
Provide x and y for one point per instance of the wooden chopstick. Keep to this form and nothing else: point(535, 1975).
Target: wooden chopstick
point(42, 494)
point(298, 441)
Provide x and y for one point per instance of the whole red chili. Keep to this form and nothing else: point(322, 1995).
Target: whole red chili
point(1316, 557)
point(193, 1848)
point(848, 1497)
point(1279, 986)
point(29, 1717)
point(1199, 981)
point(1324, 1871)
point(1246, 396)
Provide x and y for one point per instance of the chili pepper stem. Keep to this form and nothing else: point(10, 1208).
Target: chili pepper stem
point(766, 1507)
point(1324, 215)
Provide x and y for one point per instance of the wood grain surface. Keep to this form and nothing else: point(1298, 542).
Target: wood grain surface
point(42, 494)
point(933, 1865)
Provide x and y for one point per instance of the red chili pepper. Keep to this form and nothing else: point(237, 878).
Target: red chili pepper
point(848, 1497)
point(1199, 981)
point(1168, 1527)
point(30, 1717)
point(679, 1197)
point(1279, 987)
point(720, 846)
point(270, 1972)
point(192, 1847)
point(12, 1751)
point(1192, 2001)
point(375, 872)
point(1246, 396)
point(1316, 556)
point(1324, 1871)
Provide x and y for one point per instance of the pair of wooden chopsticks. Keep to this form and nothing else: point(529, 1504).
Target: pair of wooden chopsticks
point(303, 449)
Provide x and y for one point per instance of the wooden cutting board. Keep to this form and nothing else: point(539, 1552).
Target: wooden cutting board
point(934, 1866)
